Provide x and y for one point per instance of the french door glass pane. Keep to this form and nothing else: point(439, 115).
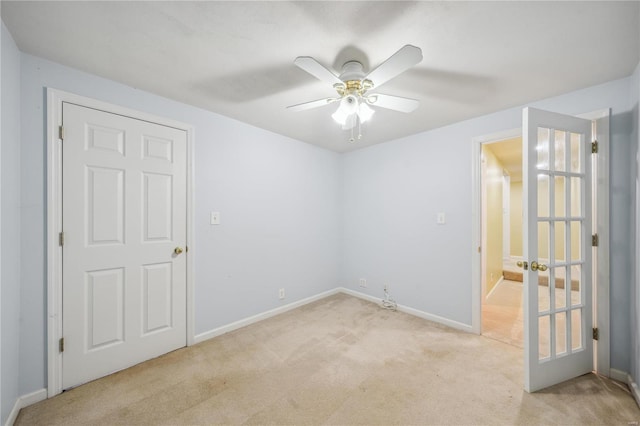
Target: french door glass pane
point(543, 195)
point(543, 149)
point(576, 329)
point(576, 285)
point(561, 333)
point(561, 297)
point(576, 242)
point(560, 151)
point(544, 329)
point(559, 237)
point(560, 196)
point(576, 206)
point(544, 291)
point(543, 240)
point(576, 153)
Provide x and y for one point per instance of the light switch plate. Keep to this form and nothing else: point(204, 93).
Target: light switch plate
point(215, 218)
point(441, 219)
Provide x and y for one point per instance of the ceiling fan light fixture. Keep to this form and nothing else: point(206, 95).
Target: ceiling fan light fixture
point(348, 106)
point(340, 116)
point(365, 112)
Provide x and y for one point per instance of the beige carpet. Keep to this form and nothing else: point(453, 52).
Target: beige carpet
point(342, 361)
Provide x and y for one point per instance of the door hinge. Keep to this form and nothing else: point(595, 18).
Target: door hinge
point(594, 147)
point(61, 133)
point(61, 344)
point(594, 240)
point(596, 334)
point(61, 239)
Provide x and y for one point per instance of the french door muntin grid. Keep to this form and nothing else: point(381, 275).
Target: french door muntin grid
point(565, 218)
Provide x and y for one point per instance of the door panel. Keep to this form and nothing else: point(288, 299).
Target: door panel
point(156, 298)
point(158, 204)
point(124, 213)
point(104, 307)
point(556, 236)
point(105, 206)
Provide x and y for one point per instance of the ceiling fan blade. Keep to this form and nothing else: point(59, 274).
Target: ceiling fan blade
point(312, 104)
point(317, 70)
point(398, 63)
point(396, 103)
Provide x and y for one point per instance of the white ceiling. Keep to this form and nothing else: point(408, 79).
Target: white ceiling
point(236, 58)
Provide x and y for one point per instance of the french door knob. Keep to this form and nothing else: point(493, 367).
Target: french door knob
point(535, 266)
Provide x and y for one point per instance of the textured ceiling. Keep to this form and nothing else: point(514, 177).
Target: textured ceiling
point(236, 58)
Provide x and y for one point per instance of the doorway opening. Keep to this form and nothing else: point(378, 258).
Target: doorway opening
point(501, 180)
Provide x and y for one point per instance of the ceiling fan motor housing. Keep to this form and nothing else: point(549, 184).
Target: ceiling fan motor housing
point(352, 70)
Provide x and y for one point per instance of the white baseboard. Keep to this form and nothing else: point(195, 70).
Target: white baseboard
point(626, 378)
point(633, 387)
point(620, 376)
point(25, 401)
point(273, 312)
point(495, 287)
point(359, 295)
point(259, 317)
point(411, 311)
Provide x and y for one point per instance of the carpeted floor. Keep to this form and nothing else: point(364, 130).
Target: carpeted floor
point(342, 361)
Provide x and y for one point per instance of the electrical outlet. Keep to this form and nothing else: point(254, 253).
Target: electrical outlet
point(386, 287)
point(281, 293)
point(362, 282)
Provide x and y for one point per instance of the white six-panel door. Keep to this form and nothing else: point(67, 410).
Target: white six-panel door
point(124, 223)
point(557, 248)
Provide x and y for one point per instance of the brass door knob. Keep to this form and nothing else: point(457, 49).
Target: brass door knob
point(535, 266)
point(177, 250)
point(523, 265)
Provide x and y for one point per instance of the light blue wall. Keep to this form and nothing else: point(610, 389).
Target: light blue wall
point(10, 224)
point(278, 199)
point(393, 191)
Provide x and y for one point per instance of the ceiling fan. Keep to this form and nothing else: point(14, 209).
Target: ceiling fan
point(353, 86)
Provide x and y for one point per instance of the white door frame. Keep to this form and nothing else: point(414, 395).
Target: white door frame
point(55, 99)
point(601, 259)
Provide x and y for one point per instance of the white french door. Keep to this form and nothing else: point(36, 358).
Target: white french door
point(124, 222)
point(556, 248)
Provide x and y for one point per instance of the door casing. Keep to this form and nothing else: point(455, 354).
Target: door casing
point(601, 221)
point(55, 99)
